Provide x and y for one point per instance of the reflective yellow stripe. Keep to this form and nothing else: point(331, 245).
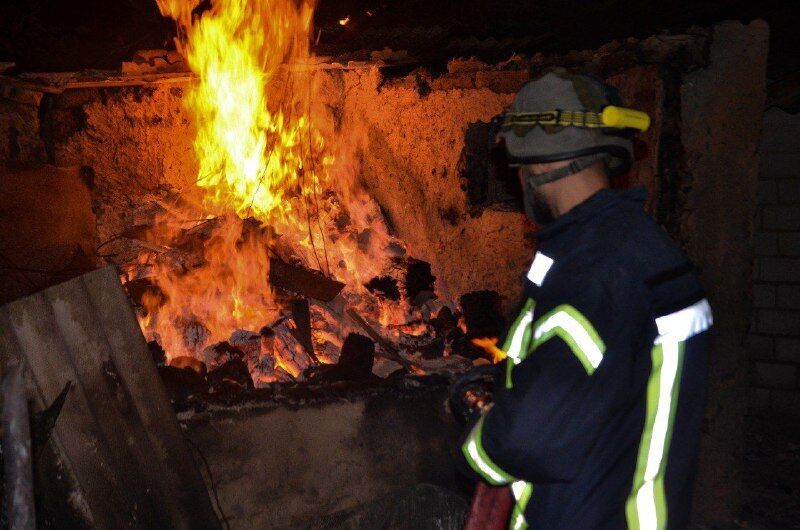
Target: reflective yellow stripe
point(518, 340)
point(573, 328)
point(480, 461)
point(646, 507)
point(522, 493)
point(514, 344)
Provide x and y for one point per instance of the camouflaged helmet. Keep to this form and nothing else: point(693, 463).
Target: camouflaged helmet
point(567, 116)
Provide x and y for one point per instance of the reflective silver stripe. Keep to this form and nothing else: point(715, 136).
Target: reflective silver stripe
point(539, 268)
point(686, 323)
point(522, 494)
point(518, 488)
point(647, 510)
point(569, 324)
point(515, 348)
point(485, 469)
point(480, 461)
point(646, 496)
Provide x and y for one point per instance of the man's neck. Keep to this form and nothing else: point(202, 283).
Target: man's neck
point(575, 189)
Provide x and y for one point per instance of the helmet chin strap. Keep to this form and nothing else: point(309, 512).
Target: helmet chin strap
point(576, 166)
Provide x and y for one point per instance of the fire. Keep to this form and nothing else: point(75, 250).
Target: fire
point(250, 156)
point(269, 182)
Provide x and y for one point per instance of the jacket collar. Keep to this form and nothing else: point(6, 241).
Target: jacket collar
point(625, 199)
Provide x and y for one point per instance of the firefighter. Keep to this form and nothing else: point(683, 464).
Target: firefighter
point(598, 421)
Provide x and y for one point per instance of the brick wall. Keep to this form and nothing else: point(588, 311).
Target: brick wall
point(774, 338)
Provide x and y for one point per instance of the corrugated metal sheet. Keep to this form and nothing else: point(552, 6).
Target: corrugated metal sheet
point(117, 433)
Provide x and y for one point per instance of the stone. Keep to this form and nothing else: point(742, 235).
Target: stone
point(764, 295)
point(789, 243)
point(766, 244)
point(789, 298)
point(761, 346)
point(787, 349)
point(773, 375)
point(767, 192)
point(775, 322)
point(721, 161)
point(785, 402)
point(760, 400)
point(781, 217)
point(789, 190)
point(783, 270)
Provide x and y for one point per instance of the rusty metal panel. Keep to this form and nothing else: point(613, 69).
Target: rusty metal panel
point(117, 433)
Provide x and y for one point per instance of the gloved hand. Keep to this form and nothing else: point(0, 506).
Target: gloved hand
point(472, 393)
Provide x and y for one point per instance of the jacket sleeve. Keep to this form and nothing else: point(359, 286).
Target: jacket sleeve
point(542, 427)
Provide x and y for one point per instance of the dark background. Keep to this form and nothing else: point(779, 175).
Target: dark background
point(54, 35)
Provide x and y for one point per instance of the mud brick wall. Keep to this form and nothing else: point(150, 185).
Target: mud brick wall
point(414, 164)
point(774, 338)
point(410, 135)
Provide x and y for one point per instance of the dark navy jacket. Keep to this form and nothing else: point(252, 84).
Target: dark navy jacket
point(599, 423)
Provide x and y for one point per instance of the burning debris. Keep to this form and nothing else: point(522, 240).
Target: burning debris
point(264, 271)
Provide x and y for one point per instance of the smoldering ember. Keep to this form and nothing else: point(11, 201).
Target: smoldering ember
point(316, 264)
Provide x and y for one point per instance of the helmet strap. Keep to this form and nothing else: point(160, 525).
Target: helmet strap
point(576, 166)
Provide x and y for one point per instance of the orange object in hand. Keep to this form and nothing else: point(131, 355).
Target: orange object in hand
point(489, 345)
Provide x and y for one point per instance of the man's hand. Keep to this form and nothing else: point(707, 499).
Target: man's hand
point(472, 392)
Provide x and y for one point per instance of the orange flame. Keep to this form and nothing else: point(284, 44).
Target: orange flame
point(262, 157)
point(249, 155)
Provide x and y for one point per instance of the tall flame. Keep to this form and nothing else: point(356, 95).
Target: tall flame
point(261, 157)
point(248, 149)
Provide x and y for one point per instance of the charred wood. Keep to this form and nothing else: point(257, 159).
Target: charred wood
point(355, 362)
point(482, 314)
point(418, 279)
point(231, 377)
point(181, 384)
point(303, 281)
point(193, 363)
point(390, 350)
point(157, 353)
point(384, 286)
point(221, 352)
point(302, 330)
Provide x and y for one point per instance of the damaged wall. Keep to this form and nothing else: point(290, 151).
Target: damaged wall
point(415, 138)
point(136, 144)
point(414, 163)
point(722, 109)
point(774, 338)
point(48, 228)
point(276, 466)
